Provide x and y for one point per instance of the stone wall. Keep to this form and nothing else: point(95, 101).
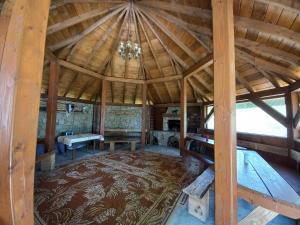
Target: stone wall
point(123, 117)
point(81, 120)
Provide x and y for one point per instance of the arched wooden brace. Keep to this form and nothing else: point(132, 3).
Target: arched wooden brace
point(22, 44)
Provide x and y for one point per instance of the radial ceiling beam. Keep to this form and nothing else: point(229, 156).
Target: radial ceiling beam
point(59, 3)
point(202, 64)
point(103, 39)
point(74, 39)
point(267, 65)
point(240, 22)
point(153, 53)
point(267, 51)
point(171, 54)
point(78, 19)
point(171, 35)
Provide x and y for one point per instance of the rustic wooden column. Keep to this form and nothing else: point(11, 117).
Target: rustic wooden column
point(183, 115)
point(224, 111)
point(21, 67)
point(144, 118)
point(291, 103)
point(103, 109)
point(52, 106)
point(202, 118)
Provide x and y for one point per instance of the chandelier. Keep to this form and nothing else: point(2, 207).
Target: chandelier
point(130, 49)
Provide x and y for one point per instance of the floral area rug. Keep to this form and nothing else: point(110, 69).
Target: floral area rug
point(121, 189)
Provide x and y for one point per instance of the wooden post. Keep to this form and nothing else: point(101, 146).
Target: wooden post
point(291, 103)
point(21, 69)
point(103, 109)
point(52, 106)
point(183, 115)
point(202, 118)
point(224, 105)
point(144, 117)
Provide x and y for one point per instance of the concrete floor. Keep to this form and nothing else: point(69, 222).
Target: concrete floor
point(179, 215)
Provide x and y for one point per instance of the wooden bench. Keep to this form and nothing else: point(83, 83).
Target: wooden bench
point(198, 202)
point(112, 143)
point(258, 183)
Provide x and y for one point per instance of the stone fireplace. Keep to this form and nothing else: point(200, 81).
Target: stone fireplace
point(171, 119)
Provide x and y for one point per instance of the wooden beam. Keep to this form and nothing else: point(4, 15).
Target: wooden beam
point(296, 118)
point(74, 39)
point(201, 65)
point(144, 117)
point(209, 115)
point(240, 22)
point(269, 110)
point(52, 107)
point(103, 108)
point(21, 66)
point(224, 108)
point(267, 51)
point(87, 72)
point(289, 121)
point(78, 19)
point(171, 35)
point(183, 115)
point(290, 5)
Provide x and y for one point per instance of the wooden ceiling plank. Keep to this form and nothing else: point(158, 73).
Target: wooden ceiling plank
point(104, 38)
point(59, 3)
point(76, 38)
point(197, 89)
point(266, 65)
point(243, 81)
point(168, 50)
point(171, 35)
point(86, 86)
point(202, 64)
point(79, 19)
point(154, 55)
point(240, 22)
point(71, 84)
point(263, 49)
point(291, 5)
point(177, 8)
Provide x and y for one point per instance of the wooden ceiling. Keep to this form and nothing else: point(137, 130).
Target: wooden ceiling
point(174, 36)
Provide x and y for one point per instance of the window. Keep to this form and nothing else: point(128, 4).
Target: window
point(252, 119)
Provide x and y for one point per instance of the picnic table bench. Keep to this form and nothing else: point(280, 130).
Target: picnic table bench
point(258, 183)
point(112, 142)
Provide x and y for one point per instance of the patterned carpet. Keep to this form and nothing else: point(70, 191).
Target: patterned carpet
point(121, 189)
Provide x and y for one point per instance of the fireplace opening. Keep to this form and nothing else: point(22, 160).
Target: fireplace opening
point(174, 125)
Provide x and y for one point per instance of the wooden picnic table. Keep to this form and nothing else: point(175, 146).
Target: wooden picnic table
point(261, 185)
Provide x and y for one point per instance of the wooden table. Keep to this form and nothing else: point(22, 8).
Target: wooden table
point(260, 184)
point(71, 139)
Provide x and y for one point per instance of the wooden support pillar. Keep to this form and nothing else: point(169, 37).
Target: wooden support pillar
point(52, 106)
point(291, 103)
point(202, 118)
point(144, 117)
point(21, 66)
point(224, 110)
point(183, 116)
point(103, 109)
